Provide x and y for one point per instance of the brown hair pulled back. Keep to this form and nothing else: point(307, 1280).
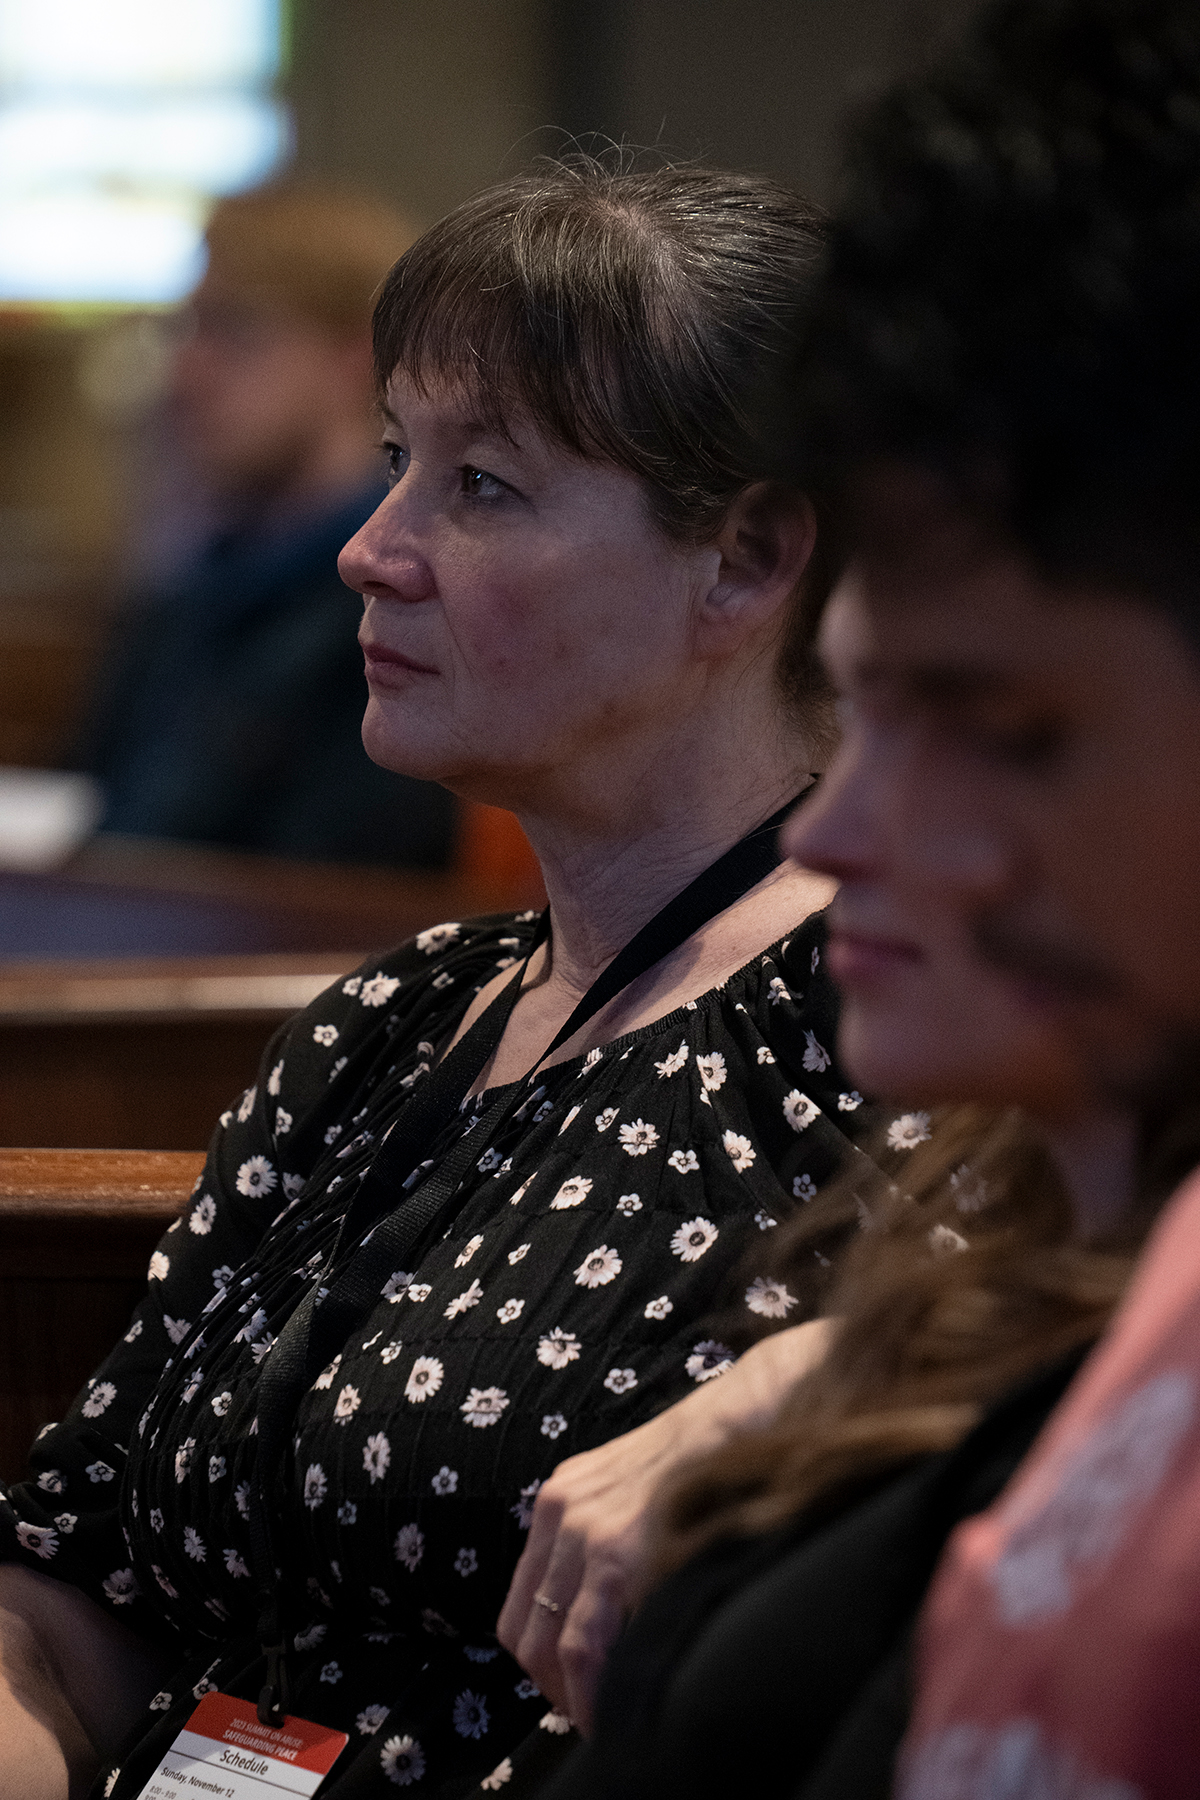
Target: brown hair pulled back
point(956, 1289)
point(634, 315)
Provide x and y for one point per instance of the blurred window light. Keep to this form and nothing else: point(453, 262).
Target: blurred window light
point(119, 123)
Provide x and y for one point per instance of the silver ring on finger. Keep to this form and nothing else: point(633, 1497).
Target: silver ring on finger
point(546, 1603)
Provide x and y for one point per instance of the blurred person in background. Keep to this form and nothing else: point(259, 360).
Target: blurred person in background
point(230, 708)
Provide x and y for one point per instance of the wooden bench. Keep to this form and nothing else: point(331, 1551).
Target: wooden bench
point(76, 1231)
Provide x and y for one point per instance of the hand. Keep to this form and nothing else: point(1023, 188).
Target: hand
point(591, 1520)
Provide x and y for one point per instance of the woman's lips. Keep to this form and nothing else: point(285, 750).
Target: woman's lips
point(854, 959)
point(389, 668)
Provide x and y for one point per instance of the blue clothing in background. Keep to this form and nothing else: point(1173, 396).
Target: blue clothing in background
point(231, 707)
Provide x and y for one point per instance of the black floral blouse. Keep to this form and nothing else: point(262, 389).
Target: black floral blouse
point(567, 1303)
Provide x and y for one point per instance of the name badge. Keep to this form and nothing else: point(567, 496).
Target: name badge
point(224, 1752)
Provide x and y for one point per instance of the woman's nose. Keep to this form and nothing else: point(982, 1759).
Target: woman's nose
point(383, 559)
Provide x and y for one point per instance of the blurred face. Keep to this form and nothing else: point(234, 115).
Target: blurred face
point(524, 615)
point(1027, 760)
point(254, 391)
point(924, 1018)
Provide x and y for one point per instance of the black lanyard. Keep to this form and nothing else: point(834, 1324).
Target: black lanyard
point(386, 1236)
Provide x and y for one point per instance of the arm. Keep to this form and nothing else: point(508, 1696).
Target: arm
point(72, 1683)
point(591, 1519)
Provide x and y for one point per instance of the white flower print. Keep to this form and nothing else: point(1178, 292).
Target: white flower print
point(969, 1189)
point(377, 1454)
point(468, 1250)
point(241, 1498)
point(158, 1267)
point(769, 1299)
point(221, 1403)
point(799, 1110)
point(193, 1544)
point(160, 1703)
point(519, 1254)
point(553, 1425)
point(464, 1301)
point(121, 1587)
point(395, 1287)
point(466, 1562)
point(543, 1112)
point(684, 1162)
point(315, 1486)
point(764, 1221)
point(283, 1122)
point(409, 1546)
point(167, 1587)
point(739, 1150)
point(338, 1066)
point(437, 937)
point(420, 1290)
point(101, 1397)
point(471, 1717)
point(331, 1672)
point(310, 1637)
point(488, 1161)
point(512, 1309)
point(483, 1406)
point(592, 1058)
point(183, 1458)
point(176, 1329)
point(816, 1057)
point(200, 1219)
point(134, 1333)
point(402, 1760)
point(325, 1035)
point(629, 1203)
point(370, 1719)
point(499, 1777)
point(445, 1481)
point(275, 1081)
point(764, 1056)
point(156, 1518)
point(598, 1268)
point(347, 1513)
point(658, 1309)
point(520, 1193)
point(572, 1193)
point(522, 1512)
point(570, 1119)
point(850, 1102)
point(216, 1467)
point(637, 1138)
point(693, 1238)
point(943, 1241)
point(909, 1130)
point(352, 986)
point(50, 1481)
point(708, 1359)
point(671, 1065)
point(38, 1538)
point(525, 1690)
point(424, 1379)
point(379, 990)
point(619, 1381)
point(606, 1118)
point(348, 1403)
point(777, 991)
point(712, 1071)
point(391, 1351)
point(556, 1723)
point(333, 1134)
point(255, 1177)
point(235, 1566)
point(247, 1105)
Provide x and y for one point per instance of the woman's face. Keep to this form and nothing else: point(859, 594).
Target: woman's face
point(524, 614)
point(923, 1019)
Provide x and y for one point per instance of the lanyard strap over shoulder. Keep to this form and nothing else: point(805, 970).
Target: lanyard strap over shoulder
point(392, 1234)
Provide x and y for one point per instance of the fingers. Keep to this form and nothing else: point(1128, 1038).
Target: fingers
point(537, 1646)
point(591, 1628)
point(530, 1570)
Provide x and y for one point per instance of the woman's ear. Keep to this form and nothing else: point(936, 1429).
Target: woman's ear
point(765, 544)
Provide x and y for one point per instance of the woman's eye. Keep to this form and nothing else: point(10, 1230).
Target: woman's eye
point(477, 484)
point(396, 458)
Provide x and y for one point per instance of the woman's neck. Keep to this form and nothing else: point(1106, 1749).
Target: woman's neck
point(1096, 1158)
point(607, 877)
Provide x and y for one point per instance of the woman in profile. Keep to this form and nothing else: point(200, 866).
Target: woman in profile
point(473, 1213)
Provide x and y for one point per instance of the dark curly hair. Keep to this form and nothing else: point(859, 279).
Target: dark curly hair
point(1012, 292)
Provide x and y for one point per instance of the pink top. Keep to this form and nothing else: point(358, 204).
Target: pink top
point(1060, 1646)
